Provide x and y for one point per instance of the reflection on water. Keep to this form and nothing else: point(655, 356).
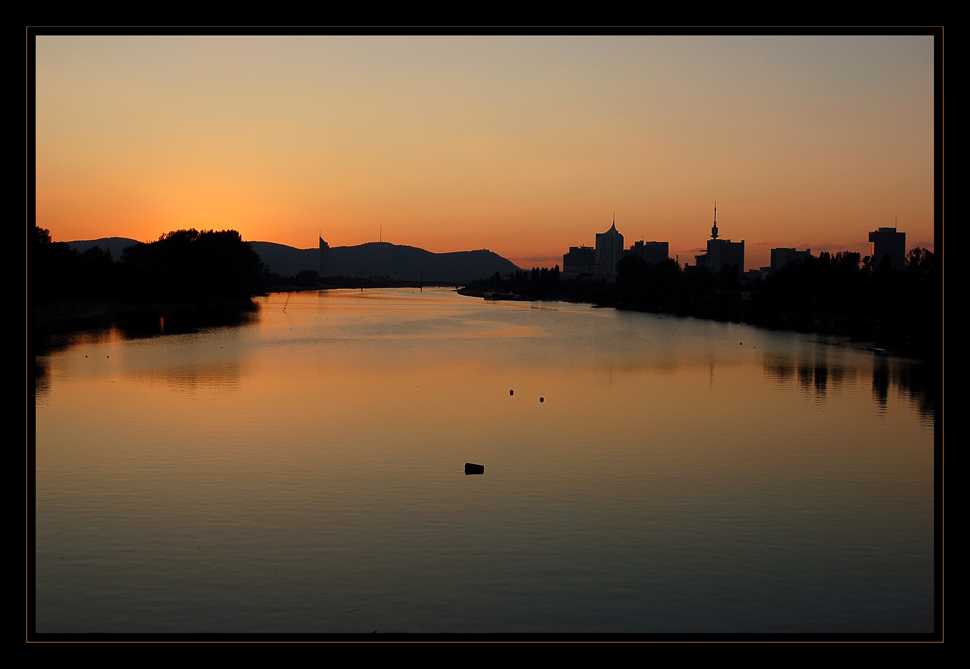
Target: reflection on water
point(306, 473)
point(815, 373)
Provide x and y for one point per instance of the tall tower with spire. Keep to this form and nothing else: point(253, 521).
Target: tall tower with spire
point(721, 252)
point(609, 249)
point(324, 258)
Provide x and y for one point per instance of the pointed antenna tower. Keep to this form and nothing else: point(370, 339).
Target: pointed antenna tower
point(714, 229)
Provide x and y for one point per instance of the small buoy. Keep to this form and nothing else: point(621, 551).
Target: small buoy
point(542, 399)
point(473, 469)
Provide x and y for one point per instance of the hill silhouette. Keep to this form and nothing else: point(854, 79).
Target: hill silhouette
point(383, 259)
point(112, 245)
point(373, 259)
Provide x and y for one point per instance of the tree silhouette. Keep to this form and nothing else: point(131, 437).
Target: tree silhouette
point(191, 266)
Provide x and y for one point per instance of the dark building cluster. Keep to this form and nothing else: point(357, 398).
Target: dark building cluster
point(600, 262)
point(886, 243)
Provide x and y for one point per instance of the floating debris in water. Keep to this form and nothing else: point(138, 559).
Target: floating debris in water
point(474, 469)
point(511, 392)
point(542, 399)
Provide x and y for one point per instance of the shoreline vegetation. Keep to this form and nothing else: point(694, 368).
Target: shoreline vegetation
point(189, 279)
point(184, 281)
point(898, 312)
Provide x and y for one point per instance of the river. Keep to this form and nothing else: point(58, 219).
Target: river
point(643, 474)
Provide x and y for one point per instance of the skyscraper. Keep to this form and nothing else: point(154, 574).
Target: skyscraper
point(324, 258)
point(609, 249)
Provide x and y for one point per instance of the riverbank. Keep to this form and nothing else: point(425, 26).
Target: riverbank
point(875, 332)
point(56, 320)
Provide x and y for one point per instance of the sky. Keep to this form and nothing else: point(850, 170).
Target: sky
point(523, 145)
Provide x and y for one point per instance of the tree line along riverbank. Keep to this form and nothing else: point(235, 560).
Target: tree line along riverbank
point(840, 294)
point(189, 278)
point(184, 280)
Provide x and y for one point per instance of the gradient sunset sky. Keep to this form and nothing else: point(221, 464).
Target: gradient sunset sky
point(524, 145)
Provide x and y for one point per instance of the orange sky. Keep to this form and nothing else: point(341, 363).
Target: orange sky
point(523, 145)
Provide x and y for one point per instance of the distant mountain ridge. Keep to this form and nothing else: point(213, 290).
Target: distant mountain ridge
point(116, 245)
point(377, 259)
point(373, 259)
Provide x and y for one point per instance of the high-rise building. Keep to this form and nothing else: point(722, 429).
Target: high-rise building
point(579, 261)
point(609, 249)
point(888, 242)
point(324, 258)
point(781, 257)
point(651, 252)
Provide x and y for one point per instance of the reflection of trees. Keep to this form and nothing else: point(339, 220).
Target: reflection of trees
point(777, 367)
point(915, 381)
point(805, 372)
point(185, 280)
point(821, 378)
point(880, 382)
point(842, 294)
point(41, 377)
point(921, 384)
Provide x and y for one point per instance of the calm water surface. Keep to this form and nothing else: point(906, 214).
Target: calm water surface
point(643, 473)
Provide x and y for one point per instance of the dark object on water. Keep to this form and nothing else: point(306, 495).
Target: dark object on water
point(511, 392)
point(474, 469)
point(542, 399)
